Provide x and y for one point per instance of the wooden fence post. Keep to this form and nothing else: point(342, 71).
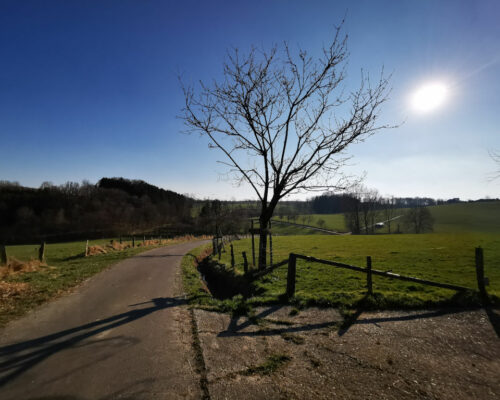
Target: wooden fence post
point(214, 247)
point(120, 239)
point(232, 256)
point(41, 252)
point(144, 240)
point(292, 269)
point(253, 244)
point(3, 255)
point(480, 274)
point(369, 282)
point(133, 241)
point(245, 262)
point(87, 248)
point(219, 248)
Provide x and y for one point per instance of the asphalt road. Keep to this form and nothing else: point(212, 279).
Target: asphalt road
point(121, 334)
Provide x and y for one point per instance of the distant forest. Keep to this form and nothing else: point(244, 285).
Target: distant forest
point(118, 206)
point(113, 206)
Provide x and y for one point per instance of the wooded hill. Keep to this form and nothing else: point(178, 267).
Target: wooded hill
point(113, 206)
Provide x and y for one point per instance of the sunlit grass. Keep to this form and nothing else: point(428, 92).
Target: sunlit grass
point(447, 258)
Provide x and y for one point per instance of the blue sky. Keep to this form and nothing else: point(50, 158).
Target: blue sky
point(89, 88)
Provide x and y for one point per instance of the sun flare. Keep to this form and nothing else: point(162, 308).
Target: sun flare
point(429, 97)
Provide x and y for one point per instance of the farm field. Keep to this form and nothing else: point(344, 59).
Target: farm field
point(65, 267)
point(441, 257)
point(467, 217)
point(334, 222)
point(449, 218)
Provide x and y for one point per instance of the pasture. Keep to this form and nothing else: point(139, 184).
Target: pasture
point(445, 258)
point(449, 218)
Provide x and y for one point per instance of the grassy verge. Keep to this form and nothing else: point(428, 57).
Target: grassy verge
point(197, 291)
point(65, 268)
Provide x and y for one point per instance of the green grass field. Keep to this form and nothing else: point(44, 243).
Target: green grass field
point(467, 217)
point(449, 218)
point(334, 222)
point(446, 258)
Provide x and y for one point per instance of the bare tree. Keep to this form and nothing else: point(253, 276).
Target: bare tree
point(495, 156)
point(283, 120)
point(419, 219)
point(361, 206)
point(368, 206)
point(389, 205)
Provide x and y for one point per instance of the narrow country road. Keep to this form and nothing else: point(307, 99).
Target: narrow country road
point(122, 334)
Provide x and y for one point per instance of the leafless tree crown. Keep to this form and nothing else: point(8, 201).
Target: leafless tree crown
point(495, 156)
point(283, 119)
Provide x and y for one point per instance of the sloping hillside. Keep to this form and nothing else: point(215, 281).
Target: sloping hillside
point(467, 217)
point(479, 217)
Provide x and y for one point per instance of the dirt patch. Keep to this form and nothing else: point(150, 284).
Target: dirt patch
point(447, 354)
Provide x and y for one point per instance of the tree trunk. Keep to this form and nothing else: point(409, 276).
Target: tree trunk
point(265, 216)
point(262, 247)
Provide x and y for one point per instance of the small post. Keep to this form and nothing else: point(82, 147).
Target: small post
point(270, 245)
point(369, 281)
point(253, 244)
point(214, 247)
point(144, 240)
point(292, 269)
point(232, 256)
point(3, 255)
point(41, 252)
point(120, 239)
point(133, 241)
point(245, 262)
point(480, 274)
point(219, 249)
point(160, 239)
point(87, 248)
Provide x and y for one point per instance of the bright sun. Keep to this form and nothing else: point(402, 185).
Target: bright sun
point(429, 97)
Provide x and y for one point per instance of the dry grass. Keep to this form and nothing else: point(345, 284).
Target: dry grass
point(10, 292)
point(113, 246)
point(14, 266)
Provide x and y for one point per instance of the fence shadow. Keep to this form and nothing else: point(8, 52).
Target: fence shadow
point(494, 317)
point(17, 358)
point(234, 329)
point(353, 319)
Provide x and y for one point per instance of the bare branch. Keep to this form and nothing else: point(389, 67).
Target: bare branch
point(283, 118)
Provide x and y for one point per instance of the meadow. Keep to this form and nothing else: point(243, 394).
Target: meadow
point(441, 257)
point(449, 218)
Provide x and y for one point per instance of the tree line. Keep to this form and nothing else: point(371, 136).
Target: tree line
point(113, 206)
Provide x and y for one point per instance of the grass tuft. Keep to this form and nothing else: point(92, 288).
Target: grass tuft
point(271, 365)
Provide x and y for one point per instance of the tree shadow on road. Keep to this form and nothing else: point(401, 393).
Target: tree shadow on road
point(133, 391)
point(17, 358)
